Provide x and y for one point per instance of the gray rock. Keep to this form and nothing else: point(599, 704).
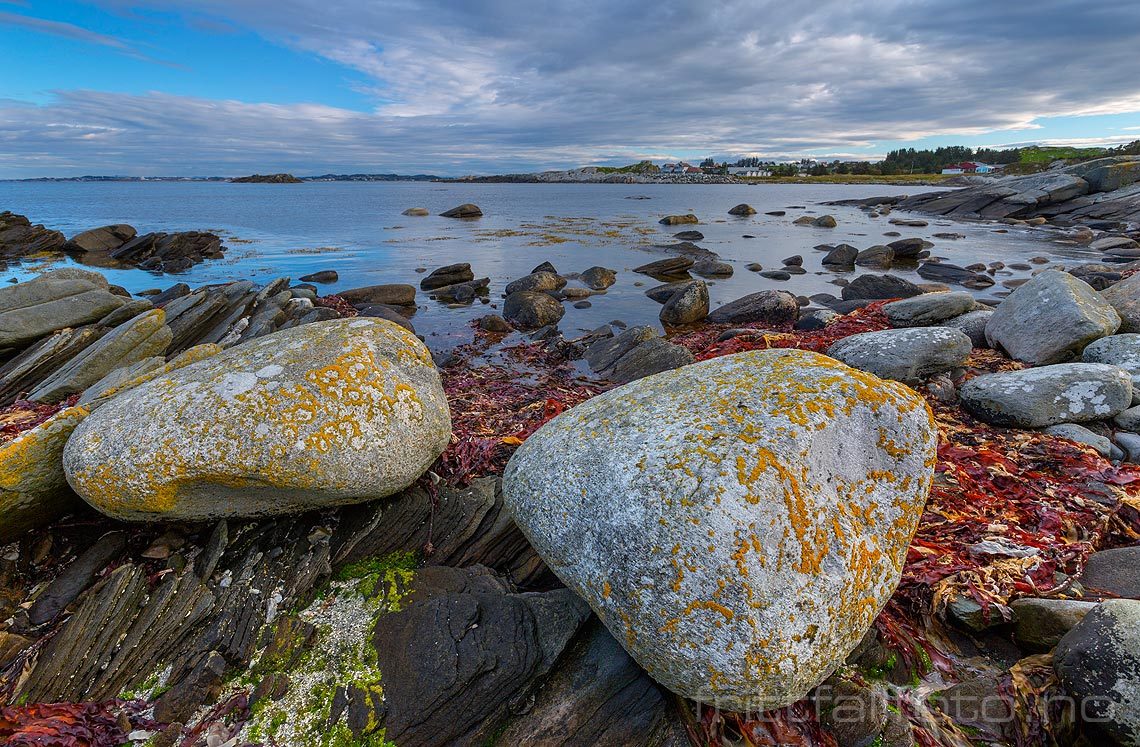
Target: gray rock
point(528, 310)
point(1130, 442)
point(145, 336)
point(689, 304)
point(878, 287)
point(462, 292)
point(1115, 571)
point(417, 212)
point(1098, 662)
point(776, 274)
point(816, 319)
point(1011, 196)
point(906, 355)
point(770, 307)
point(494, 323)
point(466, 210)
point(1039, 397)
point(711, 268)
point(841, 256)
point(973, 325)
point(665, 291)
point(344, 411)
point(460, 272)
point(670, 266)
point(1125, 298)
point(101, 240)
point(536, 282)
point(598, 278)
point(392, 294)
point(688, 485)
point(25, 371)
point(1050, 319)
point(382, 311)
point(1084, 436)
point(35, 309)
point(1041, 623)
point(875, 256)
point(928, 309)
point(1113, 242)
point(742, 209)
point(673, 220)
point(604, 353)
point(1129, 419)
point(321, 276)
point(944, 272)
point(1118, 350)
point(689, 235)
point(907, 248)
point(647, 358)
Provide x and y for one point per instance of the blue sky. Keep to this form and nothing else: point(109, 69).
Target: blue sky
point(234, 86)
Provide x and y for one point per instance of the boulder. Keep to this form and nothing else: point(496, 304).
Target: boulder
point(33, 488)
point(973, 325)
point(459, 272)
point(536, 282)
point(1117, 350)
point(711, 268)
point(907, 248)
point(737, 524)
point(36, 308)
point(944, 272)
point(1050, 319)
point(689, 304)
point(392, 294)
point(689, 235)
point(419, 212)
point(1081, 435)
point(877, 287)
point(104, 239)
point(665, 267)
point(674, 220)
point(841, 256)
point(1041, 623)
point(1125, 298)
point(928, 309)
point(598, 278)
point(466, 210)
point(529, 310)
point(20, 238)
point(321, 276)
point(647, 358)
point(1115, 571)
point(906, 355)
point(1129, 420)
point(824, 221)
point(143, 337)
point(1039, 397)
point(1098, 662)
point(769, 307)
point(382, 311)
point(743, 209)
point(875, 256)
point(318, 415)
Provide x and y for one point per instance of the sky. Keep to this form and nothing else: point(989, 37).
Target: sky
point(230, 87)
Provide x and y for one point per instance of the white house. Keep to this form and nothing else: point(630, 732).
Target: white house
point(749, 171)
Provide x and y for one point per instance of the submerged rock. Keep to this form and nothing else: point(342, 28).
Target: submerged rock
point(466, 210)
point(673, 220)
point(1050, 319)
point(598, 278)
point(1038, 397)
point(707, 516)
point(318, 415)
point(743, 209)
point(418, 212)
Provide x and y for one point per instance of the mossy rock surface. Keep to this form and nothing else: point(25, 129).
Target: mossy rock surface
point(324, 414)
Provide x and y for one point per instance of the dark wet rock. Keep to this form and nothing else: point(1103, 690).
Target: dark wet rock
point(796, 260)
point(1047, 395)
point(776, 213)
point(754, 267)
point(665, 267)
point(1041, 623)
point(908, 248)
point(463, 649)
point(323, 276)
point(1085, 437)
point(604, 353)
point(598, 278)
point(494, 323)
point(928, 309)
point(1098, 662)
point(711, 268)
point(1115, 571)
point(545, 267)
point(856, 714)
point(875, 256)
point(166, 296)
point(688, 249)
point(906, 355)
point(392, 294)
point(466, 210)
point(651, 356)
point(76, 577)
point(1124, 296)
point(537, 282)
point(201, 684)
point(20, 238)
point(776, 275)
point(529, 310)
point(973, 325)
point(662, 293)
point(951, 236)
point(447, 275)
point(462, 292)
point(688, 304)
point(841, 256)
point(582, 304)
point(166, 252)
point(773, 308)
point(102, 240)
point(877, 287)
point(815, 319)
point(689, 236)
point(673, 220)
point(793, 270)
point(912, 222)
point(1050, 319)
point(743, 209)
point(824, 221)
point(383, 311)
point(416, 212)
point(944, 272)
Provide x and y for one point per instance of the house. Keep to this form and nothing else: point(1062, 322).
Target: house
point(968, 167)
point(694, 170)
point(749, 171)
point(678, 168)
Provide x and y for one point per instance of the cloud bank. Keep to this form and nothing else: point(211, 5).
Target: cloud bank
point(476, 87)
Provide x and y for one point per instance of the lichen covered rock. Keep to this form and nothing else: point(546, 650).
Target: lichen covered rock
point(737, 523)
point(322, 414)
point(33, 489)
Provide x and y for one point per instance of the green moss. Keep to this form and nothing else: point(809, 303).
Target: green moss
point(379, 574)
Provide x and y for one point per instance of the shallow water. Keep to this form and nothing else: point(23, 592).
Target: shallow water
point(357, 230)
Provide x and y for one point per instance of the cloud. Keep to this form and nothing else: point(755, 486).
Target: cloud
point(490, 85)
point(78, 33)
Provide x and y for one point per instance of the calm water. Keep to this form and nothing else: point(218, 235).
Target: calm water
point(357, 230)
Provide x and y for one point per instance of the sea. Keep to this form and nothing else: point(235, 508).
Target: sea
point(357, 229)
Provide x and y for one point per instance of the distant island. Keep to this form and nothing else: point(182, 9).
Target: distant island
point(253, 178)
point(266, 179)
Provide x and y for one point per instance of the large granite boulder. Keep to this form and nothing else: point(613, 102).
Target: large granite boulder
point(1125, 298)
point(1098, 662)
point(771, 307)
point(928, 309)
point(321, 414)
point(907, 355)
point(737, 523)
point(1050, 319)
point(1117, 350)
point(33, 488)
point(1039, 397)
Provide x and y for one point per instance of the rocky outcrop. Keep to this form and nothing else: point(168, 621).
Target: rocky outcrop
point(1039, 397)
point(19, 237)
point(168, 252)
point(266, 179)
point(906, 355)
point(37, 308)
point(1050, 319)
point(716, 484)
point(323, 414)
point(102, 240)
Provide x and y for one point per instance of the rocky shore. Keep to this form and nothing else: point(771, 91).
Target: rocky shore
point(239, 515)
